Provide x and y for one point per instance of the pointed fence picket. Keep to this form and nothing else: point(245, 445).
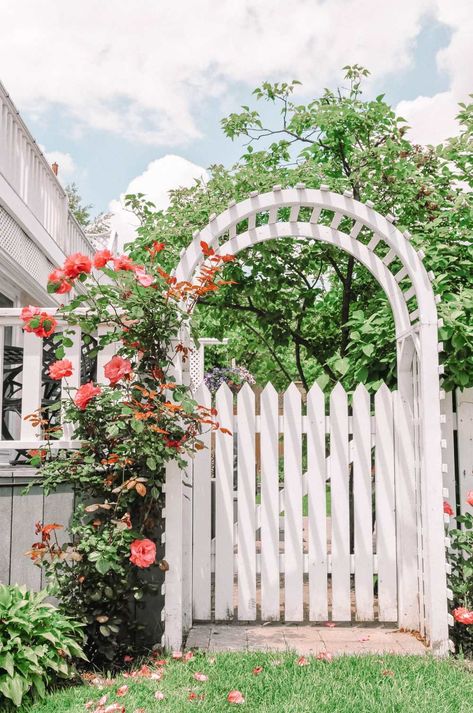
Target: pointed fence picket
point(338, 564)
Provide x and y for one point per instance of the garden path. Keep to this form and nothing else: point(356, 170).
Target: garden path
point(304, 639)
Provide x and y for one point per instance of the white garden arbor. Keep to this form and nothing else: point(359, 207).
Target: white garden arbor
point(387, 253)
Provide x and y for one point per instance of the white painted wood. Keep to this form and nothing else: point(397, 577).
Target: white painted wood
point(385, 506)
point(269, 505)
point(465, 445)
point(406, 524)
point(339, 478)
point(104, 355)
point(362, 505)
point(224, 507)
point(32, 390)
point(293, 547)
point(317, 505)
point(202, 518)
point(174, 527)
point(448, 454)
point(246, 505)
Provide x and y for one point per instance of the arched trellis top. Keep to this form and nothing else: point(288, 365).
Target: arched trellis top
point(372, 238)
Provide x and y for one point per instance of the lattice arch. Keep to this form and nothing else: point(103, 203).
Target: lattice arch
point(387, 253)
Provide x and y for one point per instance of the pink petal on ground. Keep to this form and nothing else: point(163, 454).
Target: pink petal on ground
point(176, 655)
point(302, 661)
point(257, 670)
point(235, 697)
point(102, 701)
point(188, 656)
point(324, 656)
point(122, 691)
point(330, 624)
point(114, 708)
point(200, 677)
point(159, 695)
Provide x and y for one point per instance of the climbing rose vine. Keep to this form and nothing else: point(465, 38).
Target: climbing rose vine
point(129, 427)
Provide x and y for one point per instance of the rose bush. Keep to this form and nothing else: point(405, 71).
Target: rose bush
point(460, 557)
point(129, 429)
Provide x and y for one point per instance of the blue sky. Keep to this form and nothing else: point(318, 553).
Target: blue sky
point(106, 99)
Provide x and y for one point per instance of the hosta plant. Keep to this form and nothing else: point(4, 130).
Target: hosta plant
point(38, 645)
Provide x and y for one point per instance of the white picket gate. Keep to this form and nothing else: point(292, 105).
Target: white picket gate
point(298, 520)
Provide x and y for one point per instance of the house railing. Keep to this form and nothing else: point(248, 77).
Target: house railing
point(27, 172)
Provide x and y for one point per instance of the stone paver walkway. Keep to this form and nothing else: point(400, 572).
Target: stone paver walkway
point(303, 639)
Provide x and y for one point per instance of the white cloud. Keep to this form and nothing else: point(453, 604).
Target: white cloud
point(160, 176)
point(67, 167)
point(433, 118)
point(142, 69)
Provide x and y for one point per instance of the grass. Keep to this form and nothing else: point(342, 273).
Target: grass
point(363, 684)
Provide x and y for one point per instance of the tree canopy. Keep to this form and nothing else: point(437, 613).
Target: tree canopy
point(303, 310)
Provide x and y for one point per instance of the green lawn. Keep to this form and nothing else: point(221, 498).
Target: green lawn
point(365, 684)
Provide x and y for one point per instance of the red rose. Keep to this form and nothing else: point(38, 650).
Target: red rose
point(85, 393)
point(60, 369)
point(116, 369)
point(463, 615)
point(58, 282)
point(123, 262)
point(447, 508)
point(101, 257)
point(156, 248)
point(76, 265)
point(40, 323)
point(469, 498)
point(143, 553)
point(143, 278)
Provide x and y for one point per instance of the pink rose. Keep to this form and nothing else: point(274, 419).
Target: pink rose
point(143, 553)
point(85, 393)
point(123, 262)
point(77, 264)
point(447, 508)
point(60, 369)
point(143, 278)
point(116, 369)
point(469, 498)
point(58, 282)
point(463, 615)
point(101, 258)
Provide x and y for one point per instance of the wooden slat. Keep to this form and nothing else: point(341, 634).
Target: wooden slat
point(246, 505)
point(224, 507)
point(385, 506)
point(449, 452)
point(339, 476)
point(269, 505)
point(362, 505)
point(6, 504)
point(31, 391)
point(406, 515)
point(317, 506)
point(293, 547)
point(27, 510)
point(465, 446)
point(202, 520)
point(174, 525)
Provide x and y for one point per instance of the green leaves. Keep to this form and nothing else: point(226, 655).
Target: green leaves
point(32, 645)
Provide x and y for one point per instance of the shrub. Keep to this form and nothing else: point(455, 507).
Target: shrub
point(130, 428)
point(461, 582)
point(37, 645)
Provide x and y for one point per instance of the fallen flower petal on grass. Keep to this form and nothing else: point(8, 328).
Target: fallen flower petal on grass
point(188, 656)
point(200, 677)
point(324, 656)
point(302, 661)
point(122, 691)
point(114, 708)
point(257, 670)
point(195, 696)
point(159, 695)
point(235, 697)
point(176, 655)
point(387, 672)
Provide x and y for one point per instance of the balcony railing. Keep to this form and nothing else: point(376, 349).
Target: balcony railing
point(28, 174)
